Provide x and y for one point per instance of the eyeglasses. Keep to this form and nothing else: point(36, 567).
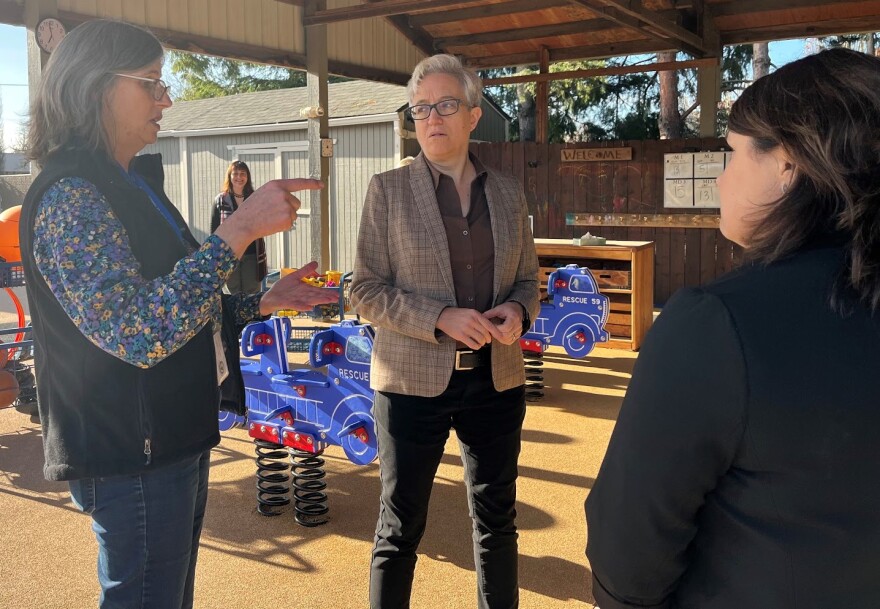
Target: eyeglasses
point(447, 107)
point(159, 88)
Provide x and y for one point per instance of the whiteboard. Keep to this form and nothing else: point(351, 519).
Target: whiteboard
point(678, 166)
point(689, 179)
point(708, 164)
point(706, 193)
point(678, 193)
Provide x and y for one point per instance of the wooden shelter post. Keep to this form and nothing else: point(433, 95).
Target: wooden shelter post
point(33, 13)
point(542, 101)
point(709, 96)
point(709, 76)
point(320, 144)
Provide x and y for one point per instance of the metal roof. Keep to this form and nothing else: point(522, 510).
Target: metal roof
point(382, 40)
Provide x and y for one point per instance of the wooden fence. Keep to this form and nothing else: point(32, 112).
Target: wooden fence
point(683, 256)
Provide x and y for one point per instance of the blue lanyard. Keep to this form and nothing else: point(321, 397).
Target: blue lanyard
point(138, 182)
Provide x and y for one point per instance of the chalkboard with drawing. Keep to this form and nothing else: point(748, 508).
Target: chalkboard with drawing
point(689, 178)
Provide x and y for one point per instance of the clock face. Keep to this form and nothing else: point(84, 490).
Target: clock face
point(49, 33)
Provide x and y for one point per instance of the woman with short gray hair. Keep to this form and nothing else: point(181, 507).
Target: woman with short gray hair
point(446, 270)
point(451, 65)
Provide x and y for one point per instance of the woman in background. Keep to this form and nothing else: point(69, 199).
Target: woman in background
point(743, 468)
point(252, 268)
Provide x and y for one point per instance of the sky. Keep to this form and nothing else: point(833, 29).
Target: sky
point(13, 71)
point(14, 92)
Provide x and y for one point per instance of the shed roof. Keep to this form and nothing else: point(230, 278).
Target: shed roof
point(347, 99)
point(355, 98)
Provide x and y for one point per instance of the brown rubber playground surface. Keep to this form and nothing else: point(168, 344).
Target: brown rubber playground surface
point(248, 561)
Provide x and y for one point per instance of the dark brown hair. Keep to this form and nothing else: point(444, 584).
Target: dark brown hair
point(227, 181)
point(824, 110)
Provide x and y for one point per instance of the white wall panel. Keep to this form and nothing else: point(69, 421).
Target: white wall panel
point(274, 26)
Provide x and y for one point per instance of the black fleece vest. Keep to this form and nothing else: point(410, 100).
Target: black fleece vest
point(100, 415)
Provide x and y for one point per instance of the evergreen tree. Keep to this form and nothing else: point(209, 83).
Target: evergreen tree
point(866, 43)
point(200, 76)
point(616, 107)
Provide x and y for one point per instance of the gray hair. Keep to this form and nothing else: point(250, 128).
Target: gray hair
point(68, 110)
point(447, 64)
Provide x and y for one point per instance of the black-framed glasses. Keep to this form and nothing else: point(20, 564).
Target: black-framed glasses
point(446, 107)
point(159, 88)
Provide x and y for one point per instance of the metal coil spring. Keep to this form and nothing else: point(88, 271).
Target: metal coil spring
point(309, 499)
point(534, 363)
point(272, 479)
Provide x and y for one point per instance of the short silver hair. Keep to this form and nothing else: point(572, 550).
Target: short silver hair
point(447, 64)
point(68, 109)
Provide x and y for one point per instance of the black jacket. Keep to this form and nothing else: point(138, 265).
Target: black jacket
point(100, 415)
point(744, 467)
point(224, 205)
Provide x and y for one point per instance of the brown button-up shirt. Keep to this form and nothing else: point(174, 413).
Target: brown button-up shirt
point(471, 244)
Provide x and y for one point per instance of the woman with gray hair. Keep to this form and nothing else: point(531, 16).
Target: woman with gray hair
point(127, 312)
point(446, 270)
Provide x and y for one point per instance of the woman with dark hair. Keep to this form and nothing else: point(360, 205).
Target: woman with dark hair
point(127, 311)
point(743, 468)
point(252, 268)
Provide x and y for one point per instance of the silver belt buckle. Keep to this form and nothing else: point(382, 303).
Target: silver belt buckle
point(458, 355)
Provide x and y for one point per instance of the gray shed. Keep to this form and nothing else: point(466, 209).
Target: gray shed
point(200, 138)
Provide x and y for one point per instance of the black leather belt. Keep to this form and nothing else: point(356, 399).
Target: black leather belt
point(468, 359)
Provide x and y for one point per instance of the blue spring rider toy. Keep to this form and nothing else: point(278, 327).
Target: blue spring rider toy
point(298, 413)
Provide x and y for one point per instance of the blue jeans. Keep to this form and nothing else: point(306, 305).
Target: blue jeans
point(148, 528)
point(412, 433)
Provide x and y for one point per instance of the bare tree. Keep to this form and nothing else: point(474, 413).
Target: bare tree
point(21, 140)
point(670, 116)
point(760, 60)
point(870, 49)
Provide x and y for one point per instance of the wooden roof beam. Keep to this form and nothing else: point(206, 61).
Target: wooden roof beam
point(854, 25)
point(11, 13)
point(707, 28)
point(528, 33)
point(630, 13)
point(416, 35)
point(628, 21)
point(485, 10)
point(630, 47)
point(688, 40)
point(613, 71)
point(382, 8)
point(615, 16)
point(765, 6)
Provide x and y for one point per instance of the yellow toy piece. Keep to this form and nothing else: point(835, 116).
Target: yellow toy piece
point(329, 279)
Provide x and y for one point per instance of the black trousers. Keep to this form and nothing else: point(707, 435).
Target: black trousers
point(412, 432)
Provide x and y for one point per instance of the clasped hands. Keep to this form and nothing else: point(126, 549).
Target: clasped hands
point(474, 329)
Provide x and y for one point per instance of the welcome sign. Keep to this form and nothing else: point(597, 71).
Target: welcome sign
point(580, 155)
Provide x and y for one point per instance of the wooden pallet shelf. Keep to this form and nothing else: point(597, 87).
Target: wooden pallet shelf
point(632, 307)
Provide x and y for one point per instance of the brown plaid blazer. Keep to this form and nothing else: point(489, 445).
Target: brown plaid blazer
point(403, 279)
